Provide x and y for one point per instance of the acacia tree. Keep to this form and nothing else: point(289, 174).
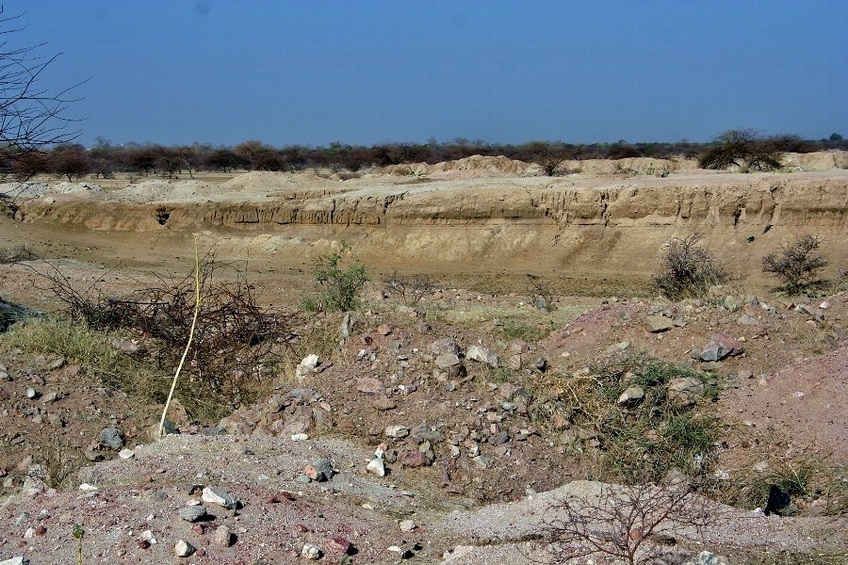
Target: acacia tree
point(31, 115)
point(743, 148)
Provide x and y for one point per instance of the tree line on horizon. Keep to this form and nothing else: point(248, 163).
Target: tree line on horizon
point(104, 159)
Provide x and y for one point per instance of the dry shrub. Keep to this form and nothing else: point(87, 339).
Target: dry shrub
point(16, 255)
point(687, 269)
point(627, 523)
point(237, 345)
point(409, 288)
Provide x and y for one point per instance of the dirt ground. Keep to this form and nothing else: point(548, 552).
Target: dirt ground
point(480, 230)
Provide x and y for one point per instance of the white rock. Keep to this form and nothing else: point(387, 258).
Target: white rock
point(86, 487)
point(396, 432)
point(376, 467)
point(126, 453)
point(19, 560)
point(147, 535)
point(217, 496)
point(183, 549)
point(306, 367)
point(482, 355)
point(310, 551)
point(299, 437)
point(407, 526)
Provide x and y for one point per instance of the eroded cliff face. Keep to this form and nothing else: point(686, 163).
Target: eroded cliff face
point(609, 226)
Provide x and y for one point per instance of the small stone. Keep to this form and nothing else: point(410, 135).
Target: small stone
point(658, 324)
point(337, 546)
point(319, 470)
point(223, 536)
point(31, 393)
point(19, 560)
point(147, 535)
point(396, 432)
point(112, 438)
point(310, 551)
point(685, 391)
point(414, 459)
point(126, 453)
point(631, 395)
point(306, 367)
point(299, 437)
point(85, 487)
point(407, 525)
point(221, 498)
point(376, 467)
point(384, 329)
point(369, 385)
point(52, 396)
point(482, 355)
point(192, 513)
point(183, 549)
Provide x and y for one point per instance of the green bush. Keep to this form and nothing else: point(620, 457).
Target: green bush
point(796, 264)
point(342, 281)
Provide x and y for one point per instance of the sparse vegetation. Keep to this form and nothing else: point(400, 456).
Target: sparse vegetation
point(797, 264)
point(622, 522)
point(235, 353)
point(409, 288)
point(342, 278)
point(687, 269)
point(632, 441)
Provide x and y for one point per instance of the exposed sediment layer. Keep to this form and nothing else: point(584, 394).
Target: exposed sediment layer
point(514, 224)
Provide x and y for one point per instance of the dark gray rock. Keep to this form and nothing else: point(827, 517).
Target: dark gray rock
point(112, 438)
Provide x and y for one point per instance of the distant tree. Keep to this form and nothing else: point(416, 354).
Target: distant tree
point(622, 150)
point(549, 156)
point(744, 149)
point(168, 161)
point(835, 137)
point(70, 161)
point(225, 160)
point(142, 158)
point(26, 164)
point(31, 116)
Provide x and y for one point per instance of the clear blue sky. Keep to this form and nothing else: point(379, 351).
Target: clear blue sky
point(366, 71)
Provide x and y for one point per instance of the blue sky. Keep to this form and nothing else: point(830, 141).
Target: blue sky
point(367, 71)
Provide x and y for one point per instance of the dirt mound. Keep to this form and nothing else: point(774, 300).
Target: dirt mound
point(158, 190)
point(631, 165)
point(476, 166)
point(277, 182)
point(36, 189)
point(818, 161)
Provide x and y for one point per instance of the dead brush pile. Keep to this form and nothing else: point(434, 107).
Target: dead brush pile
point(238, 346)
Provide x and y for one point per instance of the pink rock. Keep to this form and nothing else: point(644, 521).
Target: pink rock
point(337, 546)
point(369, 385)
point(414, 459)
